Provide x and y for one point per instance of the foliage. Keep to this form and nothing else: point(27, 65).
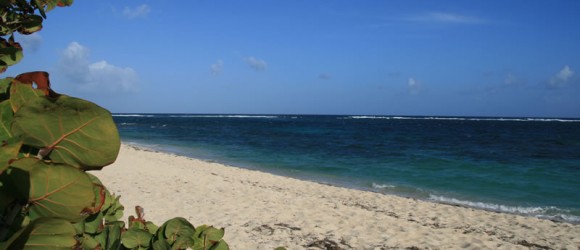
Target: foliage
point(21, 16)
point(47, 143)
point(48, 200)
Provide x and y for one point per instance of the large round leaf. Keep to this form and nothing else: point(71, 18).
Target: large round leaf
point(210, 236)
point(21, 93)
point(4, 88)
point(111, 208)
point(69, 130)
point(161, 244)
point(56, 190)
point(136, 238)
point(8, 152)
point(222, 245)
point(175, 228)
point(5, 121)
point(51, 233)
point(9, 146)
point(213, 234)
point(44, 233)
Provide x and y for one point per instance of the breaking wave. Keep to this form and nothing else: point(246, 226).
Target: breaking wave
point(382, 186)
point(462, 118)
point(552, 213)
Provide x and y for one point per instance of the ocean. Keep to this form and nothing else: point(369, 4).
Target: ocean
point(527, 166)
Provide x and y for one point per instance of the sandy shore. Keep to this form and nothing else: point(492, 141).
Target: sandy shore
point(264, 211)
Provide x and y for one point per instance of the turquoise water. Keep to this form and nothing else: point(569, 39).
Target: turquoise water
point(517, 165)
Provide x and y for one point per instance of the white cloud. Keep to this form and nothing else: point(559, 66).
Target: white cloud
point(562, 77)
point(139, 11)
point(256, 64)
point(441, 17)
point(217, 67)
point(112, 77)
point(74, 63)
point(98, 76)
point(414, 86)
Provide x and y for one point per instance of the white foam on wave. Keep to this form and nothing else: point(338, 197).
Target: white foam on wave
point(368, 117)
point(570, 218)
point(461, 118)
point(226, 116)
point(382, 186)
point(540, 212)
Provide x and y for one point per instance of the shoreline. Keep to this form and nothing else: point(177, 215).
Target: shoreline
point(262, 211)
point(375, 188)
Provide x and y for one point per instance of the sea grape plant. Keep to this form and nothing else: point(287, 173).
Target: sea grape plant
point(24, 17)
point(48, 142)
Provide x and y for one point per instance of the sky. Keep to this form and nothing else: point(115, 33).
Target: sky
point(434, 58)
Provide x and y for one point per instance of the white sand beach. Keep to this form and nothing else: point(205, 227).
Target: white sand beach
point(264, 211)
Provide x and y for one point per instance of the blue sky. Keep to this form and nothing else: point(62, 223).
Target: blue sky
point(456, 58)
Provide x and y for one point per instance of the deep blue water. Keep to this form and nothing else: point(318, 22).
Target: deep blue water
point(518, 165)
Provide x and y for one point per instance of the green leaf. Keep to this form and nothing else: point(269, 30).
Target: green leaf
point(41, 5)
point(6, 115)
point(94, 224)
point(73, 131)
point(213, 234)
point(161, 245)
point(183, 242)
point(44, 233)
point(79, 227)
point(177, 227)
point(15, 184)
point(7, 201)
point(151, 227)
point(31, 24)
point(110, 238)
point(8, 152)
point(113, 231)
point(111, 209)
point(136, 224)
point(5, 88)
point(90, 243)
point(21, 93)
point(199, 230)
point(51, 233)
point(10, 53)
point(13, 217)
point(101, 238)
point(222, 245)
point(115, 211)
point(13, 242)
point(209, 236)
point(134, 238)
point(56, 190)
point(102, 195)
